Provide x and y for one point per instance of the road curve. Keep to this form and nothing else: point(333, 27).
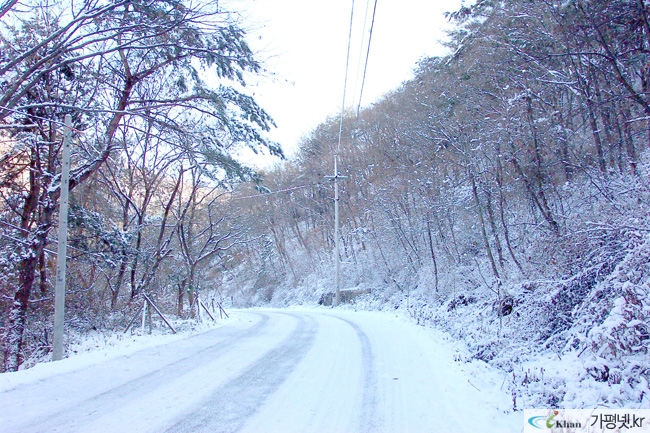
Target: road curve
point(269, 371)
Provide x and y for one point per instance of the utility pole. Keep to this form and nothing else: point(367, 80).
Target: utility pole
point(59, 296)
point(337, 260)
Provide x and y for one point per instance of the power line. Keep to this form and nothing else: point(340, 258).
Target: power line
point(345, 81)
point(270, 192)
point(361, 46)
point(24, 242)
point(365, 68)
point(33, 116)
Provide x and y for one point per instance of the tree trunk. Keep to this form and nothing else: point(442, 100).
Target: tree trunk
point(28, 266)
point(18, 313)
point(539, 197)
point(433, 255)
point(629, 141)
point(493, 227)
point(181, 295)
point(502, 202)
point(115, 289)
point(539, 202)
point(479, 211)
point(596, 133)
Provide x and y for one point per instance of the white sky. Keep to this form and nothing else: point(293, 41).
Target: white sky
point(303, 43)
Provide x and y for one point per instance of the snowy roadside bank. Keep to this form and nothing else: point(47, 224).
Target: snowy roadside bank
point(98, 346)
point(578, 342)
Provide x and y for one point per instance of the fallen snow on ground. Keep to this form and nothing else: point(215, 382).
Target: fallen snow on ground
point(289, 370)
point(96, 347)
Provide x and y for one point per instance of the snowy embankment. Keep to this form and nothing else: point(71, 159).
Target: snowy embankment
point(290, 370)
point(581, 342)
point(577, 343)
point(96, 347)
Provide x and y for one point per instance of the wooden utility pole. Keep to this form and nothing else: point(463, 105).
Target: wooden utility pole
point(59, 296)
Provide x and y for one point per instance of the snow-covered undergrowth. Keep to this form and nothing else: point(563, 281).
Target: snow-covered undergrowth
point(86, 347)
point(585, 351)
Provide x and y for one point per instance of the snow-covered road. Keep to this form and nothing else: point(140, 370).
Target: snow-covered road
point(272, 371)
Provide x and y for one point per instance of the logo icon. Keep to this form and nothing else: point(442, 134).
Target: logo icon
point(542, 422)
point(549, 420)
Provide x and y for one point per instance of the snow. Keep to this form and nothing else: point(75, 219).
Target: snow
point(291, 370)
point(577, 334)
point(94, 348)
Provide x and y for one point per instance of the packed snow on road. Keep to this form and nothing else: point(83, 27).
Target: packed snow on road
point(290, 370)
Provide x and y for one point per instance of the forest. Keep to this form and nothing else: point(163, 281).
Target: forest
point(501, 194)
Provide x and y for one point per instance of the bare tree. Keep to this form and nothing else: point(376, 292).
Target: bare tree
point(97, 61)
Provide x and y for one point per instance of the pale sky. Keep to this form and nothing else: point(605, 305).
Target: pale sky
point(303, 43)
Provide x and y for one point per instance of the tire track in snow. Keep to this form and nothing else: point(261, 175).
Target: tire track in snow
point(70, 418)
point(231, 405)
point(370, 418)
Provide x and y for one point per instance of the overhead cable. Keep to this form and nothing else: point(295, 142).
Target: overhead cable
point(365, 68)
point(345, 82)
